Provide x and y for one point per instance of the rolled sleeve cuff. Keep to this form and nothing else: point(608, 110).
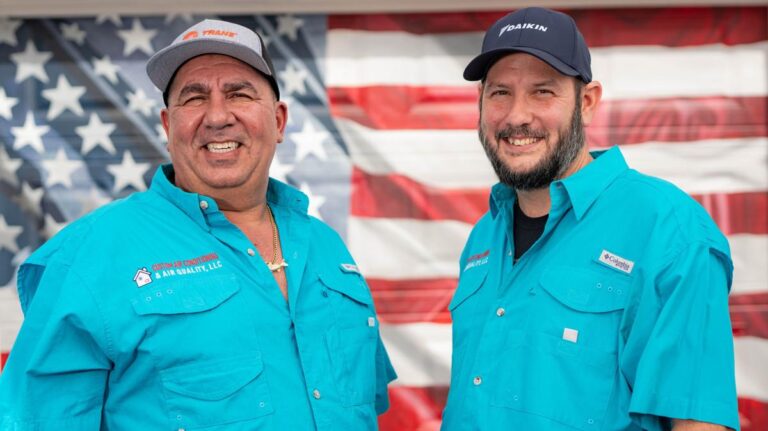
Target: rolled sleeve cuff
point(647, 411)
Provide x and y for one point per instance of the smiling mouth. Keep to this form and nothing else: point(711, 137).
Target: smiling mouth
point(521, 142)
point(222, 147)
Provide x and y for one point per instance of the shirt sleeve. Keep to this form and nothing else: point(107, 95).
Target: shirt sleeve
point(56, 374)
point(385, 373)
point(685, 367)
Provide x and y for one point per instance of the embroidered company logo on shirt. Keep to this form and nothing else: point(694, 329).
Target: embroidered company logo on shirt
point(197, 265)
point(618, 262)
point(142, 277)
point(477, 260)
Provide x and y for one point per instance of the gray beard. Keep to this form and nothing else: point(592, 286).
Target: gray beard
point(551, 167)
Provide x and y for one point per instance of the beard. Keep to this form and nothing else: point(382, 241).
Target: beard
point(551, 167)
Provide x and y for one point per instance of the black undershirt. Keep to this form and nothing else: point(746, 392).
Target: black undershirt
point(526, 230)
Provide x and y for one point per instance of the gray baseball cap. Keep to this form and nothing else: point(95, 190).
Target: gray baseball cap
point(211, 37)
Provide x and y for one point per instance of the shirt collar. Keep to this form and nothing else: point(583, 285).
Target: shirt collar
point(278, 194)
point(583, 187)
point(589, 182)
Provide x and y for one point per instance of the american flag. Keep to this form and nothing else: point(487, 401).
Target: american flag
point(381, 136)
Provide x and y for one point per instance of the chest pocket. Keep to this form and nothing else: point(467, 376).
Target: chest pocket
point(570, 344)
point(217, 392)
point(352, 340)
point(184, 295)
point(466, 307)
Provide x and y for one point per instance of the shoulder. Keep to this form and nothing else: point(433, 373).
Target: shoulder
point(669, 207)
point(322, 232)
point(90, 232)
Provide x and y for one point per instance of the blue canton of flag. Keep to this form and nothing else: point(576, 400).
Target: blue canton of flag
point(79, 120)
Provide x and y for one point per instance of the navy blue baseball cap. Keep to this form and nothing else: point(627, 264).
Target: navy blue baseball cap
point(549, 35)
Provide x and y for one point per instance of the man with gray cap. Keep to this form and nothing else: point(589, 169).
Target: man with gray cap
point(590, 297)
point(211, 301)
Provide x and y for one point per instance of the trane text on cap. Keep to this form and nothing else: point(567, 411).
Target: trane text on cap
point(211, 37)
point(549, 35)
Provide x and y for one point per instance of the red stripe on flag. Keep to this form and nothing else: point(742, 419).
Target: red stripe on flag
point(737, 213)
point(413, 408)
point(753, 414)
point(3, 359)
point(618, 122)
point(406, 107)
point(600, 27)
point(749, 314)
point(420, 409)
point(398, 196)
point(621, 122)
point(409, 301)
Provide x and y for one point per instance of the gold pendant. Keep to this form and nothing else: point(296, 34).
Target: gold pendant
point(277, 266)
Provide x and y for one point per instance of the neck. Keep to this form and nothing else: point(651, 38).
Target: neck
point(534, 203)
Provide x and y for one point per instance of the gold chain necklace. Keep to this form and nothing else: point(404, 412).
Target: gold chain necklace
point(274, 266)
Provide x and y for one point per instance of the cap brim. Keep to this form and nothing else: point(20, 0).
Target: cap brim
point(478, 67)
point(163, 65)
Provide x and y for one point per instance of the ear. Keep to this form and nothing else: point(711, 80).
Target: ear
point(164, 115)
point(590, 99)
point(281, 119)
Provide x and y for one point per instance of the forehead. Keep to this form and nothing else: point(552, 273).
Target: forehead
point(521, 65)
point(215, 68)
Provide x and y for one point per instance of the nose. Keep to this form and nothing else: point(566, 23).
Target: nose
point(218, 114)
point(519, 111)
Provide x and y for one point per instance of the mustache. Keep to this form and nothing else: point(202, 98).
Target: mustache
point(520, 131)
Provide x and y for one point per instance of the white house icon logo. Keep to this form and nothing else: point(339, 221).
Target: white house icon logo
point(142, 277)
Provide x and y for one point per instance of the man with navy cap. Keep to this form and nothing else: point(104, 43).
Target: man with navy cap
point(211, 301)
point(590, 297)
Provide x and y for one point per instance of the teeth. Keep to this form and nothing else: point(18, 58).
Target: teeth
point(521, 142)
point(221, 147)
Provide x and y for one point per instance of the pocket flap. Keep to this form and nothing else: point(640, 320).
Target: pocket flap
point(469, 283)
point(213, 380)
point(184, 296)
point(350, 284)
point(591, 291)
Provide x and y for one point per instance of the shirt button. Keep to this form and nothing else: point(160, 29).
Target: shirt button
point(251, 252)
point(316, 394)
point(477, 380)
point(204, 205)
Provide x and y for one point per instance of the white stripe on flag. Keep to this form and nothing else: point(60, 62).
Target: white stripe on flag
point(711, 166)
point(406, 248)
point(358, 58)
point(749, 269)
point(450, 159)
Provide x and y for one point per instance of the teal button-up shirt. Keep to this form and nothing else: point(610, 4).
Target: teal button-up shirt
point(615, 319)
point(156, 313)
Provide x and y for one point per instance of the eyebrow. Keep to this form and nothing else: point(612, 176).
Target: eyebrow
point(237, 86)
point(193, 88)
point(546, 83)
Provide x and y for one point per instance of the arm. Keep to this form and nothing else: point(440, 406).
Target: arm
point(56, 375)
point(683, 361)
point(686, 425)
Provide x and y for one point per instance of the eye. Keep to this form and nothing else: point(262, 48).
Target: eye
point(192, 99)
point(498, 92)
point(241, 95)
point(544, 92)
